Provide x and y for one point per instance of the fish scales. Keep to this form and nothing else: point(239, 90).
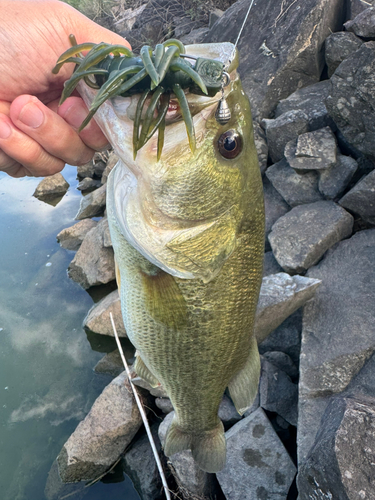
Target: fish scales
point(188, 235)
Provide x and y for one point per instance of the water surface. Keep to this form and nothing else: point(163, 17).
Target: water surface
point(47, 383)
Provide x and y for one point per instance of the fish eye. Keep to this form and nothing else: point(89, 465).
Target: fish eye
point(230, 144)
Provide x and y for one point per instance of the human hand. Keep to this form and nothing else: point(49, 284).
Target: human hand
point(37, 137)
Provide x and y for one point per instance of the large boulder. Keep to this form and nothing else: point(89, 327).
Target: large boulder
point(363, 25)
point(72, 237)
point(280, 296)
point(311, 101)
point(338, 330)
point(140, 465)
point(93, 204)
point(361, 199)
point(351, 102)
point(355, 7)
point(258, 466)
point(103, 435)
point(53, 185)
point(302, 236)
point(338, 47)
point(274, 206)
point(280, 46)
point(94, 262)
point(341, 463)
point(295, 189)
point(98, 319)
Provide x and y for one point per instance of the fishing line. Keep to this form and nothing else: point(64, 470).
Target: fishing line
point(223, 113)
point(240, 33)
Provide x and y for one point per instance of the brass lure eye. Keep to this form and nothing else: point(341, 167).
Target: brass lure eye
point(230, 144)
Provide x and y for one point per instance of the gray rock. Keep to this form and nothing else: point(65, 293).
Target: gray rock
point(103, 435)
point(334, 180)
point(195, 36)
point(270, 264)
point(280, 45)
point(338, 329)
point(339, 46)
point(287, 127)
point(335, 343)
point(98, 320)
point(354, 7)
point(93, 204)
point(283, 362)
point(191, 480)
point(72, 237)
point(53, 185)
point(87, 184)
point(278, 393)
point(280, 296)
point(111, 162)
point(56, 490)
point(310, 413)
point(296, 189)
point(140, 465)
point(258, 466)
point(302, 236)
point(312, 151)
point(286, 338)
point(228, 413)
point(99, 167)
point(274, 206)
point(110, 364)
point(351, 102)
point(164, 404)
point(310, 100)
point(261, 146)
point(363, 25)
point(93, 263)
point(341, 463)
point(361, 199)
point(86, 170)
point(215, 14)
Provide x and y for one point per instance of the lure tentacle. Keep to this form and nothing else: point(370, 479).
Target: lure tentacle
point(114, 70)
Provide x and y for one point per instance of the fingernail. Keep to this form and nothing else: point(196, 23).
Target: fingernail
point(5, 130)
point(31, 115)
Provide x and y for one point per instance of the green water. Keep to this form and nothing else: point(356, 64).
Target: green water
point(47, 383)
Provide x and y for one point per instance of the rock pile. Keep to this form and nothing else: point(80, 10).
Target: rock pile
point(315, 410)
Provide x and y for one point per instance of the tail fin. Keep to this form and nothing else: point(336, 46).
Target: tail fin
point(176, 439)
point(208, 448)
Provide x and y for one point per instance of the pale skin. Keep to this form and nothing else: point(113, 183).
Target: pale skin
point(37, 136)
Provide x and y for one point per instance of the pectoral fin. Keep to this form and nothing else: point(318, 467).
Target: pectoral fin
point(244, 385)
point(163, 299)
point(208, 249)
point(143, 372)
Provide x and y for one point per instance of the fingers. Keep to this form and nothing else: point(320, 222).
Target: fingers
point(74, 111)
point(49, 130)
point(18, 148)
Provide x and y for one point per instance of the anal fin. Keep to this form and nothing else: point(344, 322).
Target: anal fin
point(244, 385)
point(143, 372)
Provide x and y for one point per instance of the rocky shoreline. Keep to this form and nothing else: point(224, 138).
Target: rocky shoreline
point(308, 70)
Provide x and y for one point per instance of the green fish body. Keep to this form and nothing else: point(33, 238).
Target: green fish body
point(188, 236)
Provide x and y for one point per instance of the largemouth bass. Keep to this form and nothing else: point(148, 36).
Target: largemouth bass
point(188, 236)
